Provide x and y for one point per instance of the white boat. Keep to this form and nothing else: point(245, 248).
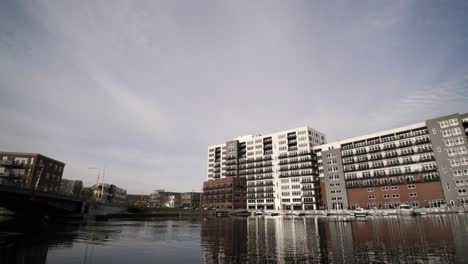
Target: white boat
point(360, 212)
point(405, 209)
point(255, 213)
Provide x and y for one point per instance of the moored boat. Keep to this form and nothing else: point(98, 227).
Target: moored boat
point(360, 212)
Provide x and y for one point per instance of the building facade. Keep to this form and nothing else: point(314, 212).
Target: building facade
point(225, 193)
point(191, 199)
point(422, 165)
point(105, 192)
point(71, 187)
point(161, 198)
point(31, 170)
point(138, 200)
point(280, 169)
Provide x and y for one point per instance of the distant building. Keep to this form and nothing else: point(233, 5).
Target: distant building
point(138, 200)
point(109, 193)
point(161, 198)
point(191, 199)
point(31, 170)
point(225, 193)
point(71, 187)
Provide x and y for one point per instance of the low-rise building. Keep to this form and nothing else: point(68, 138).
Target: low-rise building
point(71, 187)
point(106, 192)
point(138, 200)
point(191, 199)
point(225, 193)
point(161, 198)
point(31, 170)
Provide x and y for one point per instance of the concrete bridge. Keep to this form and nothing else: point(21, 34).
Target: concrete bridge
point(31, 202)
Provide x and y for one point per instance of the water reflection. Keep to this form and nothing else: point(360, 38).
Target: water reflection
point(427, 239)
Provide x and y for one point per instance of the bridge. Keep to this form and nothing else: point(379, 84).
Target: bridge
point(28, 201)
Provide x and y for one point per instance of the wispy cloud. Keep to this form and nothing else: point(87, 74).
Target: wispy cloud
point(142, 88)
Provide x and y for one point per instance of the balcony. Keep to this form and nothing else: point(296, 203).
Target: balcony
point(422, 159)
point(6, 162)
point(422, 141)
point(391, 155)
point(388, 147)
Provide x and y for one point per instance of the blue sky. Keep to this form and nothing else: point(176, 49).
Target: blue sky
point(143, 87)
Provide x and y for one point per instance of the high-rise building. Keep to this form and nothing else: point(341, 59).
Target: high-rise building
point(280, 168)
point(422, 165)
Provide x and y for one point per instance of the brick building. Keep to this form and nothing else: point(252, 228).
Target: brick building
point(31, 170)
point(421, 165)
point(225, 193)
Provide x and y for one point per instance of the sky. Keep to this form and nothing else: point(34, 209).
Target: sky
point(142, 88)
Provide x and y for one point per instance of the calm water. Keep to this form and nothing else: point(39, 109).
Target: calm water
point(425, 239)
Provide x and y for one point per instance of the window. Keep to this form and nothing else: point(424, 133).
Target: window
point(453, 122)
point(449, 142)
point(446, 133)
point(452, 151)
point(413, 195)
point(384, 188)
point(371, 197)
point(464, 160)
point(462, 192)
point(386, 196)
point(370, 189)
point(284, 180)
point(396, 195)
point(465, 172)
point(461, 150)
point(285, 193)
point(458, 141)
point(457, 173)
point(460, 182)
point(285, 187)
point(443, 124)
point(454, 162)
point(393, 188)
point(411, 186)
point(456, 131)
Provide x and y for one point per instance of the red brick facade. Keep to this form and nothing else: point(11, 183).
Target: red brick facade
point(415, 194)
point(226, 193)
point(323, 195)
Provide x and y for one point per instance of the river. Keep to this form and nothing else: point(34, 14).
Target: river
point(389, 239)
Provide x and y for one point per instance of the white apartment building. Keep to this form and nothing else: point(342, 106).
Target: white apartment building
point(280, 168)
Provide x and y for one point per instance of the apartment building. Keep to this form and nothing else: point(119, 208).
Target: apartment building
point(423, 165)
point(31, 170)
point(191, 199)
point(225, 193)
point(71, 187)
point(280, 168)
point(105, 192)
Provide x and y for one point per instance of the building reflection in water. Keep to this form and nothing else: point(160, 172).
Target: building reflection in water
point(30, 242)
point(224, 240)
point(430, 239)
